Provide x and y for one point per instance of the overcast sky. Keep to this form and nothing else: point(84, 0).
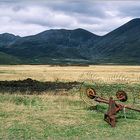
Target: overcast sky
point(28, 17)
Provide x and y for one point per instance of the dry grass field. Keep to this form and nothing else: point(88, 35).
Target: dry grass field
point(65, 116)
point(47, 117)
point(107, 74)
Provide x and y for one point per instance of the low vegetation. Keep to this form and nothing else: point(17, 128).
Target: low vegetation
point(94, 73)
point(60, 117)
point(61, 114)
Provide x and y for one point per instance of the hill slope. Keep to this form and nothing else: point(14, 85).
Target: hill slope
point(53, 45)
point(121, 46)
point(7, 39)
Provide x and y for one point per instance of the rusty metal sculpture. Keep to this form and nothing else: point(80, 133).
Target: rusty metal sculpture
point(114, 107)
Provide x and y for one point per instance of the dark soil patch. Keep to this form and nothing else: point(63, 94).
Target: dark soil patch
point(32, 86)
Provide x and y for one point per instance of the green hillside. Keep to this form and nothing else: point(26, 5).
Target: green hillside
point(61, 46)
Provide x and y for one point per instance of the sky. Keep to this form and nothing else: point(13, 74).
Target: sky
point(29, 17)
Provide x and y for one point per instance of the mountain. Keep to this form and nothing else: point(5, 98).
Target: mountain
point(122, 44)
point(61, 46)
point(9, 59)
point(52, 44)
point(6, 39)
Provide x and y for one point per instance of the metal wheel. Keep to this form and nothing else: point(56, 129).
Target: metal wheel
point(121, 95)
point(87, 94)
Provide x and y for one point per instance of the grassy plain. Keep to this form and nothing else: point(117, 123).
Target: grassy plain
point(49, 116)
point(107, 74)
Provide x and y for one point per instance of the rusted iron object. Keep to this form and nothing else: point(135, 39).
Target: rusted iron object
point(114, 107)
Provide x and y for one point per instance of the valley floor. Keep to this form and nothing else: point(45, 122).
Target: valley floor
point(93, 73)
point(53, 115)
point(60, 117)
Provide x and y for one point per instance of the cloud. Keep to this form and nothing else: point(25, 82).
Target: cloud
point(132, 9)
point(27, 17)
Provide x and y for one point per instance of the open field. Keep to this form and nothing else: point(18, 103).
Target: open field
point(60, 117)
point(109, 74)
point(62, 114)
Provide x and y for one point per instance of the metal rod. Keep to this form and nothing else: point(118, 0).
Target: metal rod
point(128, 107)
point(102, 100)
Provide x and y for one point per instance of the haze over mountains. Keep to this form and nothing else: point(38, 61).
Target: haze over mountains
point(121, 46)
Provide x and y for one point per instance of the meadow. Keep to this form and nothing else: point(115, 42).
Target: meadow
point(125, 74)
point(64, 115)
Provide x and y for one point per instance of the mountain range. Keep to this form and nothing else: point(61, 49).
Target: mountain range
point(79, 46)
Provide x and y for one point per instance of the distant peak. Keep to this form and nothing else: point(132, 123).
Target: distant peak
point(77, 31)
point(136, 20)
point(80, 29)
point(8, 35)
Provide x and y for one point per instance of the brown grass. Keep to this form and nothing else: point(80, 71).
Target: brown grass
point(63, 117)
point(124, 74)
point(60, 117)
